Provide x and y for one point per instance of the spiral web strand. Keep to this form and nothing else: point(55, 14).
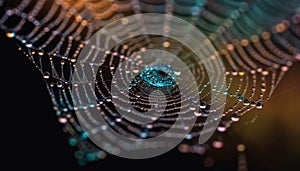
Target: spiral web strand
point(258, 41)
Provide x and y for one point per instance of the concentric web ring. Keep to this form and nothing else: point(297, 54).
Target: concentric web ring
point(178, 85)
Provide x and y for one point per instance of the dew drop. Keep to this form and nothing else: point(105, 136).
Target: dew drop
point(166, 44)
point(183, 148)
point(135, 71)
point(177, 72)
point(265, 73)
point(59, 84)
point(198, 113)
point(241, 73)
point(149, 126)
point(84, 135)
point(10, 34)
point(186, 128)
point(62, 120)
point(73, 59)
point(101, 155)
point(46, 75)
point(234, 73)
point(73, 142)
point(217, 144)
point(241, 147)
point(240, 98)
point(188, 136)
point(221, 128)
point(90, 157)
point(153, 118)
point(118, 119)
point(202, 105)
point(259, 105)
point(29, 45)
point(192, 107)
point(285, 68)
point(235, 117)
point(41, 53)
point(144, 135)
point(297, 57)
point(246, 102)
point(200, 150)
point(103, 127)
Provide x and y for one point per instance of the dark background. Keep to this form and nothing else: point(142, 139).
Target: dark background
point(32, 138)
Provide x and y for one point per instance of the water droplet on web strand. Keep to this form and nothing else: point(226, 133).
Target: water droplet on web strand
point(23, 41)
point(188, 136)
point(135, 71)
point(192, 107)
point(253, 104)
point(149, 126)
point(177, 72)
point(73, 59)
point(221, 128)
point(90, 157)
point(40, 52)
point(246, 102)
point(10, 34)
point(29, 45)
point(46, 75)
point(241, 147)
point(240, 98)
point(144, 135)
point(62, 120)
point(198, 113)
point(259, 105)
point(183, 148)
point(202, 105)
point(84, 136)
point(235, 117)
point(59, 84)
point(73, 142)
point(218, 143)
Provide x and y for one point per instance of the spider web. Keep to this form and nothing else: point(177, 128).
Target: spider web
point(258, 41)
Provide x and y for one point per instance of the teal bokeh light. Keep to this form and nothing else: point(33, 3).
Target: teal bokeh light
point(158, 76)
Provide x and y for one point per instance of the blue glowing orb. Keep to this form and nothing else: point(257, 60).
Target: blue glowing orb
point(158, 77)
